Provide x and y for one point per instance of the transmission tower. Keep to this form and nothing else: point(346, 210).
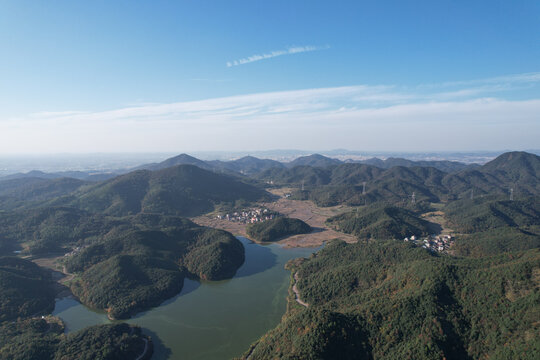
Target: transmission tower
point(511, 194)
point(472, 194)
point(413, 197)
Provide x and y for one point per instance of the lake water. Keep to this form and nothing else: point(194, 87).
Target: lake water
point(210, 320)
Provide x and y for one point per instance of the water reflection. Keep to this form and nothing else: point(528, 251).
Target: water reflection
point(259, 258)
point(64, 304)
point(215, 319)
point(161, 352)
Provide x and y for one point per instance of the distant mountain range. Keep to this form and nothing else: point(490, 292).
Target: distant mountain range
point(184, 185)
point(81, 175)
point(344, 183)
point(183, 190)
point(247, 165)
point(250, 165)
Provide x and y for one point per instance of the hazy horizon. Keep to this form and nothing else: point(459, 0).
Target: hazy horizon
point(114, 162)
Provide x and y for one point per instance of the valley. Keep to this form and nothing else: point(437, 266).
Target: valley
point(306, 211)
point(337, 247)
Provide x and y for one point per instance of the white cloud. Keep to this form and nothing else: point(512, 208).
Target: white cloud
point(499, 81)
point(289, 51)
point(355, 117)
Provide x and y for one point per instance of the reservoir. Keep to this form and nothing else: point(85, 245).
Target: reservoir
point(210, 320)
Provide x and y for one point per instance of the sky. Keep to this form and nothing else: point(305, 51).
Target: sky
point(181, 76)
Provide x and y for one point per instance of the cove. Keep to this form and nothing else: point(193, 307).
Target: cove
point(210, 320)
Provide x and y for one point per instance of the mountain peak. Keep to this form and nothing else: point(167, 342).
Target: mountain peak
point(316, 160)
point(514, 160)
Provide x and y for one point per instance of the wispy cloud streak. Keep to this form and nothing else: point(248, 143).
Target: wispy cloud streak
point(373, 117)
point(289, 51)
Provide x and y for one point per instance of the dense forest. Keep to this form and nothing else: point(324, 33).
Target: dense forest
point(488, 225)
point(344, 183)
point(183, 190)
point(275, 229)
point(25, 289)
point(134, 270)
point(128, 249)
point(53, 229)
point(44, 339)
point(381, 222)
point(392, 300)
point(30, 192)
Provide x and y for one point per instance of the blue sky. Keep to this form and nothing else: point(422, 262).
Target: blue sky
point(115, 76)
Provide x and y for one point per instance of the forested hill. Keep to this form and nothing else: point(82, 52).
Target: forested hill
point(25, 289)
point(381, 222)
point(29, 192)
point(519, 171)
point(315, 160)
point(182, 159)
point(394, 301)
point(443, 165)
point(492, 225)
point(44, 339)
point(344, 184)
point(133, 268)
point(184, 190)
point(52, 229)
point(272, 230)
point(247, 165)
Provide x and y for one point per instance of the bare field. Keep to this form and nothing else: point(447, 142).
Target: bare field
point(437, 217)
point(58, 272)
point(49, 262)
point(303, 210)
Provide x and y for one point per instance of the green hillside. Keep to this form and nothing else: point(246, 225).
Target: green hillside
point(134, 270)
point(481, 214)
point(517, 170)
point(380, 222)
point(247, 165)
point(182, 159)
point(184, 190)
point(315, 160)
point(275, 229)
point(394, 301)
point(489, 225)
point(30, 192)
point(295, 176)
point(444, 165)
point(25, 289)
point(52, 229)
point(44, 339)
point(344, 183)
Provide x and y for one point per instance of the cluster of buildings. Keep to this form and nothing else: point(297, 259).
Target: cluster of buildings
point(76, 250)
point(250, 216)
point(437, 243)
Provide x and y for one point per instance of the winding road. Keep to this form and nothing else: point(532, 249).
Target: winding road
point(140, 357)
point(297, 293)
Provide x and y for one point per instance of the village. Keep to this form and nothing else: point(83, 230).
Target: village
point(435, 243)
point(75, 250)
point(250, 216)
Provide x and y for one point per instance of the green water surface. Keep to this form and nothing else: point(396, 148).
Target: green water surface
point(210, 320)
